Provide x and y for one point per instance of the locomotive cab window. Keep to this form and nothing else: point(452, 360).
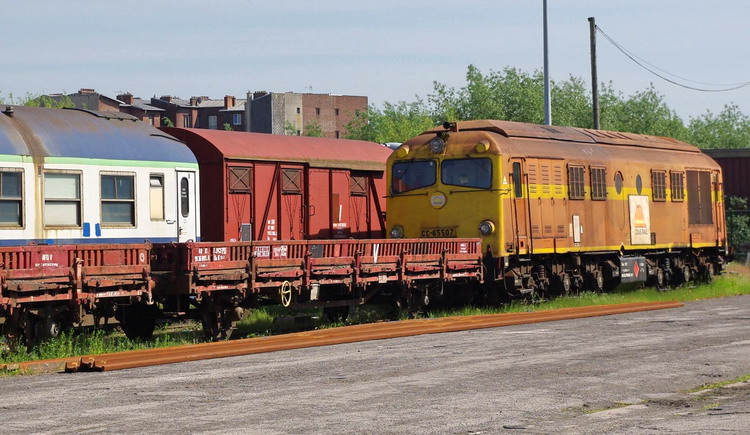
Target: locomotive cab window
point(475, 173)
point(575, 182)
point(413, 175)
point(11, 198)
point(598, 184)
point(658, 185)
point(62, 199)
point(118, 199)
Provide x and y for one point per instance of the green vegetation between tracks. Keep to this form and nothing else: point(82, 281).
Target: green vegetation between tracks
point(264, 321)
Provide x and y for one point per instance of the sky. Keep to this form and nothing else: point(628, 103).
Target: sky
point(387, 50)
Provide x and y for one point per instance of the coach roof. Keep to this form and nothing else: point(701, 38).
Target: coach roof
point(74, 133)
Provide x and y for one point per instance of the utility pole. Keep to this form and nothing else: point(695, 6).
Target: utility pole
point(594, 79)
point(547, 99)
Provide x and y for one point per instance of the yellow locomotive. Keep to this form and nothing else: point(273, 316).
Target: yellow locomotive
point(561, 208)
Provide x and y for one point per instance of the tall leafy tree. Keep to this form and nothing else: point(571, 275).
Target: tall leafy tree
point(394, 123)
point(730, 128)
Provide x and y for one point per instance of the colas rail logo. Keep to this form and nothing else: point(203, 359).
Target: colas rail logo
point(639, 222)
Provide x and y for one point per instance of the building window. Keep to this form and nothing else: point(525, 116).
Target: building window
point(212, 122)
point(598, 184)
point(575, 182)
point(298, 111)
point(338, 135)
point(236, 118)
point(317, 110)
point(240, 179)
point(151, 119)
point(118, 199)
point(291, 181)
point(336, 111)
point(156, 197)
point(659, 185)
point(678, 186)
point(299, 132)
point(11, 198)
point(62, 199)
point(186, 121)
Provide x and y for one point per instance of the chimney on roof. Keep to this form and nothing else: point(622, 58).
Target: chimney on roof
point(167, 98)
point(126, 98)
point(194, 101)
point(258, 94)
point(84, 91)
point(229, 101)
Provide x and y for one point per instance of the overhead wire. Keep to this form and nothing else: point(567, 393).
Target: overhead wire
point(640, 62)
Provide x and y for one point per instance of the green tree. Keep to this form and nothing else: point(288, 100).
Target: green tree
point(35, 100)
point(729, 129)
point(394, 123)
point(227, 127)
point(738, 221)
point(644, 112)
point(290, 129)
point(313, 129)
point(166, 122)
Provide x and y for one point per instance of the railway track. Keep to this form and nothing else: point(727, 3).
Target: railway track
point(324, 337)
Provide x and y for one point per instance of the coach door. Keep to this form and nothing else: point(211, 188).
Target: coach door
point(519, 207)
point(187, 209)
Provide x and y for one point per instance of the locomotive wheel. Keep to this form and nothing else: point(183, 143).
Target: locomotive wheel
point(708, 273)
point(46, 329)
point(660, 279)
point(566, 284)
point(215, 320)
point(686, 274)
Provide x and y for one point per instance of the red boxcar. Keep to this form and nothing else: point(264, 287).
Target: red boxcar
point(257, 186)
point(735, 165)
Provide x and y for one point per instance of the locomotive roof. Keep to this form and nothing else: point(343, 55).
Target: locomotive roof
point(317, 152)
point(75, 133)
point(512, 129)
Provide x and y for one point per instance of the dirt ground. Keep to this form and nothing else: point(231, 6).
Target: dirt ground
point(617, 374)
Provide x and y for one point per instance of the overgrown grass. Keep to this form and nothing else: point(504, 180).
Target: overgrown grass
point(264, 321)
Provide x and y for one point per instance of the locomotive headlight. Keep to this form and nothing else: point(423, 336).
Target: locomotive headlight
point(486, 228)
point(397, 232)
point(437, 145)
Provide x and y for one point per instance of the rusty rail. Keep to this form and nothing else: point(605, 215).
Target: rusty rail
point(325, 337)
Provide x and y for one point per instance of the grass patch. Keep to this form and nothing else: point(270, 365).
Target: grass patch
point(735, 282)
point(716, 385)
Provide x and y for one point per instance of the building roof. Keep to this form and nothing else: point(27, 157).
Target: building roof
point(317, 152)
point(76, 133)
point(141, 104)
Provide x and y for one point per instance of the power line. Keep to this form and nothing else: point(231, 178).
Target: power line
point(640, 62)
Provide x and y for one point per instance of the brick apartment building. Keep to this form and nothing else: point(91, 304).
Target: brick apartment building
point(203, 112)
point(278, 113)
point(89, 99)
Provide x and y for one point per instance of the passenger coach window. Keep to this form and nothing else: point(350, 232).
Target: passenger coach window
point(156, 197)
point(408, 176)
point(11, 199)
point(467, 173)
point(62, 199)
point(118, 199)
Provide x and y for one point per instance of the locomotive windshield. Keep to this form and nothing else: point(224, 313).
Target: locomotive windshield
point(475, 173)
point(408, 176)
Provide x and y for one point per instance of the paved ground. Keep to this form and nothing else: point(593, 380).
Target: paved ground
point(616, 374)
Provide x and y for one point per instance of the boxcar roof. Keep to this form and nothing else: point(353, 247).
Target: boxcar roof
point(317, 152)
point(511, 129)
point(44, 132)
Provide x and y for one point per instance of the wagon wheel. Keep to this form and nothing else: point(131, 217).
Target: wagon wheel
point(46, 329)
point(138, 321)
point(566, 284)
point(708, 273)
point(216, 323)
point(686, 274)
